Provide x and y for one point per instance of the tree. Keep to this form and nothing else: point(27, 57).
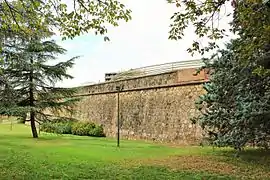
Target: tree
point(8, 98)
point(204, 16)
point(251, 22)
point(235, 109)
point(70, 19)
point(30, 77)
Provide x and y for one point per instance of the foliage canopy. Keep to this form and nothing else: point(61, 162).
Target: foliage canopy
point(29, 75)
point(70, 18)
point(235, 108)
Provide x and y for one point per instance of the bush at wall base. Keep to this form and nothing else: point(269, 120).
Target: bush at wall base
point(75, 128)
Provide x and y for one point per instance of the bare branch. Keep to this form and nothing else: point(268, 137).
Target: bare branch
point(82, 4)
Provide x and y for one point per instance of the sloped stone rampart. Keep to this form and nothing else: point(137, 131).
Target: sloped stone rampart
point(155, 108)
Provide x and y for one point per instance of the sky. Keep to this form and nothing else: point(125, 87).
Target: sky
point(140, 42)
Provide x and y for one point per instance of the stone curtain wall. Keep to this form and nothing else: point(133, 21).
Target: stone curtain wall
point(155, 108)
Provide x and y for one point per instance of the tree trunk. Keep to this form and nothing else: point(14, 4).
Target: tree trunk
point(33, 125)
point(32, 104)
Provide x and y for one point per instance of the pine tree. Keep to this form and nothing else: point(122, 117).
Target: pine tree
point(235, 109)
point(32, 79)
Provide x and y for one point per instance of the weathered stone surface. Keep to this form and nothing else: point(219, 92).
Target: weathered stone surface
point(186, 75)
point(148, 81)
point(160, 114)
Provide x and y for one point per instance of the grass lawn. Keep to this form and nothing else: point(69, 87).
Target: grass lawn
point(73, 157)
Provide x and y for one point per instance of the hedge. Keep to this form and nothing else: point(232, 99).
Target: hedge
point(75, 128)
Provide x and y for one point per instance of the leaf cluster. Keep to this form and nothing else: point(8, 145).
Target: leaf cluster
point(235, 108)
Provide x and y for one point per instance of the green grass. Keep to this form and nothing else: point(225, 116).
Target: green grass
point(73, 157)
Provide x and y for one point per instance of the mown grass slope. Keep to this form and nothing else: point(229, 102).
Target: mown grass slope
point(74, 157)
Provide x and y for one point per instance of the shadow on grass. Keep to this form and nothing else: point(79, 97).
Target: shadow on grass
point(153, 172)
point(47, 170)
point(250, 155)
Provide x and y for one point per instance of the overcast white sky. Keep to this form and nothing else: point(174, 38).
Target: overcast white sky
point(140, 42)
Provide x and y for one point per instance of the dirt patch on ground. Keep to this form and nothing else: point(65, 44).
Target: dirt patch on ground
point(213, 165)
